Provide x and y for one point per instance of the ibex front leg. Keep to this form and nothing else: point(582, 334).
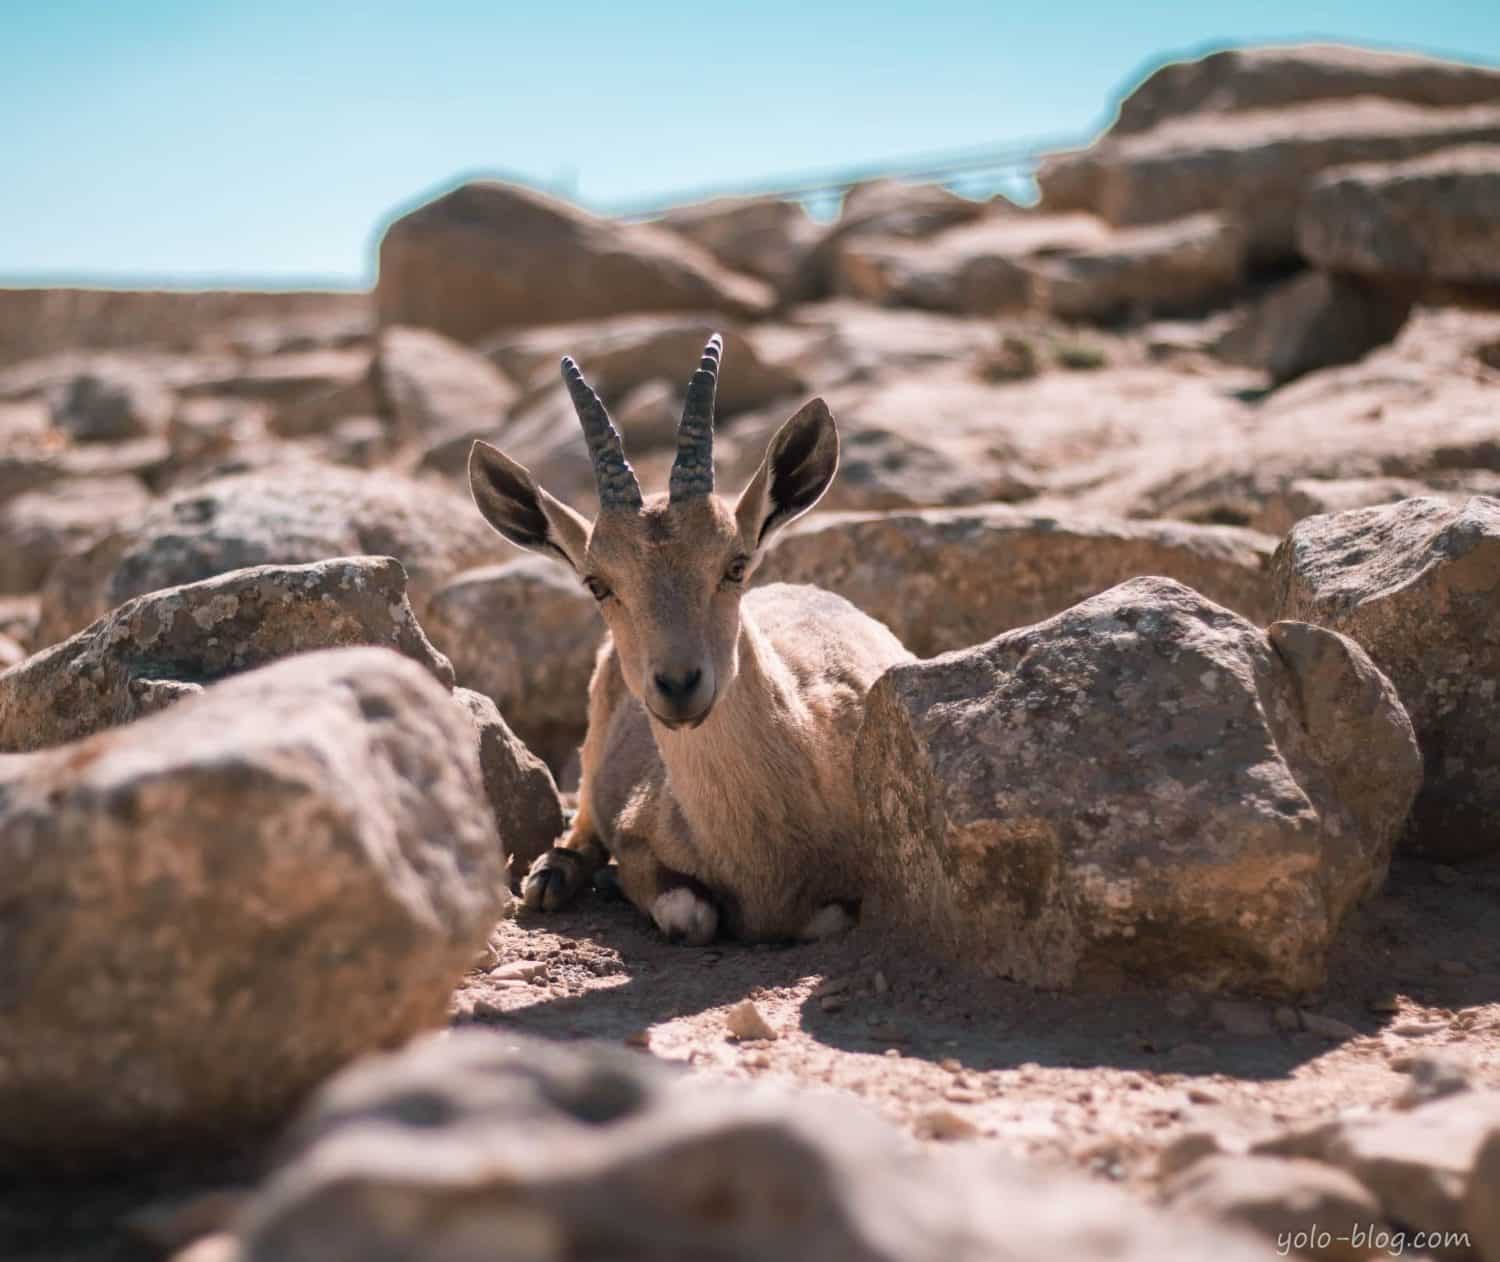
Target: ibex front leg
point(559, 874)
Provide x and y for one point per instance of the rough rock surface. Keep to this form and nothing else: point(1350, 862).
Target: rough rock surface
point(202, 632)
point(521, 790)
point(1145, 788)
point(39, 528)
point(525, 634)
point(1418, 585)
point(486, 256)
point(1255, 165)
point(548, 1151)
point(1234, 79)
point(1433, 219)
point(945, 579)
point(431, 386)
point(287, 514)
point(1316, 320)
point(209, 911)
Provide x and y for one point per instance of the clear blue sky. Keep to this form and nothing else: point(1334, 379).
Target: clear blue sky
point(199, 140)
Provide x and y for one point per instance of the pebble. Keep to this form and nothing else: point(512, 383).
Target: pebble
point(755, 1060)
point(1244, 1020)
point(519, 971)
point(639, 1038)
point(945, 1125)
point(949, 1065)
point(832, 1003)
point(881, 985)
point(1384, 1003)
point(830, 986)
point(746, 1023)
point(1417, 1029)
point(963, 1095)
point(1330, 1028)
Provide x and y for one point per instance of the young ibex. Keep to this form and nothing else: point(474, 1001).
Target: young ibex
point(718, 765)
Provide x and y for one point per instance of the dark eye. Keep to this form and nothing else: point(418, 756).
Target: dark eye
point(736, 571)
point(598, 588)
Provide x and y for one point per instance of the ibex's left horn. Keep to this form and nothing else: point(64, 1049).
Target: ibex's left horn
point(693, 470)
point(618, 487)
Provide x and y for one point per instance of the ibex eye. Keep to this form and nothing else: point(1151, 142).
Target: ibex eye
point(736, 571)
point(597, 589)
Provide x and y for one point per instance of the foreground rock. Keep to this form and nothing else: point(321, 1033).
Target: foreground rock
point(211, 910)
point(283, 515)
point(550, 1151)
point(1418, 585)
point(1434, 219)
point(946, 579)
point(1144, 789)
point(159, 646)
point(525, 634)
point(487, 256)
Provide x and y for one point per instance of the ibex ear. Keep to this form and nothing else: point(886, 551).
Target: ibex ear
point(519, 509)
point(799, 465)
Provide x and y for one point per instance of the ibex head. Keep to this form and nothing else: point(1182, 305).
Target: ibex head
point(667, 570)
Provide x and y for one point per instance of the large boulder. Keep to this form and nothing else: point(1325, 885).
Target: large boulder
point(1255, 166)
point(1234, 79)
point(208, 912)
point(486, 256)
point(482, 1146)
point(945, 579)
point(525, 634)
point(282, 515)
point(116, 669)
point(1144, 789)
point(1315, 320)
point(1434, 219)
point(1418, 585)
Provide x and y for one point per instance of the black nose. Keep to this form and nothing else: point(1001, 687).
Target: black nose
point(677, 688)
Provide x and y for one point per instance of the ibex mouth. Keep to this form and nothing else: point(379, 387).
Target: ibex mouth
point(679, 724)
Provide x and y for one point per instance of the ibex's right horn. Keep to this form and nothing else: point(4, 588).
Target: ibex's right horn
point(618, 487)
point(693, 470)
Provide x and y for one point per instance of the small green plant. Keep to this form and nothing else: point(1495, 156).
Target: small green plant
point(1080, 356)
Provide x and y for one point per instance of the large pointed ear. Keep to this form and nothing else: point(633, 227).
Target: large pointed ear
point(799, 465)
point(519, 509)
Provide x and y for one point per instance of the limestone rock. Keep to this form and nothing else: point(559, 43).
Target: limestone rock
point(1433, 219)
point(1418, 585)
point(1144, 789)
point(486, 256)
point(202, 632)
point(507, 1147)
point(1283, 1199)
point(211, 910)
point(946, 579)
point(525, 634)
point(522, 793)
point(286, 514)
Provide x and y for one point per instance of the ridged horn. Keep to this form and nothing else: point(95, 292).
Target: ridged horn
point(693, 470)
point(618, 487)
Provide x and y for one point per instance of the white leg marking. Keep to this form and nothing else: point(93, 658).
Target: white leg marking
point(827, 922)
point(681, 913)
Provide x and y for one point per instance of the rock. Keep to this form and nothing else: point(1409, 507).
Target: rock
point(1164, 269)
point(1330, 1028)
point(1417, 584)
point(1271, 76)
point(486, 256)
point(945, 1126)
point(1310, 497)
point(1301, 1206)
point(1243, 1020)
point(1434, 219)
point(206, 631)
point(946, 579)
point(292, 378)
point(1243, 791)
point(522, 793)
point(1314, 321)
point(525, 634)
point(1482, 1201)
point(1255, 166)
point(1432, 1077)
point(759, 236)
point(361, 442)
point(39, 528)
point(282, 515)
point(978, 268)
point(203, 431)
point(745, 1023)
point(18, 618)
point(553, 1150)
point(431, 386)
point(109, 401)
point(211, 910)
point(11, 653)
point(1418, 1164)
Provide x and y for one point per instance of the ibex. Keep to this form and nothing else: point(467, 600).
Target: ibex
point(718, 763)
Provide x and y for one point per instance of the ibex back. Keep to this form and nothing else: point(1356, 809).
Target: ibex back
point(717, 769)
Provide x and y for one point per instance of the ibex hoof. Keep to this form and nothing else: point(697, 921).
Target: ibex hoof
point(555, 878)
point(827, 922)
point(684, 917)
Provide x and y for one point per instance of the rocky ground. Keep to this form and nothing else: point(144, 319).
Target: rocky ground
point(1181, 856)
